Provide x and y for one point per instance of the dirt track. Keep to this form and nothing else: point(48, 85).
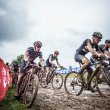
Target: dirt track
point(50, 99)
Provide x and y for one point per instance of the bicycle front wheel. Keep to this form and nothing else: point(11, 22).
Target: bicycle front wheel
point(31, 90)
point(103, 86)
point(72, 85)
point(57, 81)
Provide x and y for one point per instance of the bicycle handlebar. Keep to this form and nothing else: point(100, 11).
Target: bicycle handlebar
point(101, 61)
point(29, 65)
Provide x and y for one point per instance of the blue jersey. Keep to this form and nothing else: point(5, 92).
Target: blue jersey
point(33, 54)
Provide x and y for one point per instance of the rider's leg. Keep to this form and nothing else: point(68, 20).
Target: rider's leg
point(85, 64)
point(90, 70)
point(20, 76)
point(47, 71)
point(48, 66)
point(82, 60)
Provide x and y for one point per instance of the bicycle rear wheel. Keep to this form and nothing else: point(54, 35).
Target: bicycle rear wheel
point(72, 85)
point(57, 81)
point(31, 90)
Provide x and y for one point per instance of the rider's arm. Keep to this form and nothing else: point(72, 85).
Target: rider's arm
point(58, 62)
point(26, 56)
point(94, 52)
point(107, 53)
point(41, 61)
point(50, 59)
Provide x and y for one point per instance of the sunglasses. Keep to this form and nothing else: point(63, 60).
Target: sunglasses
point(38, 46)
point(57, 54)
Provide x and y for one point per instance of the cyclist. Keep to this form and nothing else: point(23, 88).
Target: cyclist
point(15, 66)
point(30, 55)
point(49, 61)
point(89, 45)
point(104, 48)
point(7, 65)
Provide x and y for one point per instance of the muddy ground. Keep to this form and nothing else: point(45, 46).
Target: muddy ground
point(50, 99)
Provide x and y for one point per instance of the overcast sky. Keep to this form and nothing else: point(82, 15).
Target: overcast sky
point(59, 24)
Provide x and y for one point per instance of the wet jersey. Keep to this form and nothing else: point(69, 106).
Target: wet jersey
point(83, 50)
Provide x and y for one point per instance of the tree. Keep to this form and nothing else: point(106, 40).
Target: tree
point(19, 58)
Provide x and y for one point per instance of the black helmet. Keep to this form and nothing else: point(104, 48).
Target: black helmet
point(107, 41)
point(97, 34)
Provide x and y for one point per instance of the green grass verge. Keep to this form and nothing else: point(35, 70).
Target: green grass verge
point(10, 103)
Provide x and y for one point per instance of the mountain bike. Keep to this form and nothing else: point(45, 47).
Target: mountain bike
point(29, 85)
point(56, 79)
point(75, 85)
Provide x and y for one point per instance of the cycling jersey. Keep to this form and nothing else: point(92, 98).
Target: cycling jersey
point(82, 49)
point(33, 54)
point(52, 57)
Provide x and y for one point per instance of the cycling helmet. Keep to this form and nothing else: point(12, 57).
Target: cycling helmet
point(107, 41)
point(37, 44)
point(97, 34)
point(56, 52)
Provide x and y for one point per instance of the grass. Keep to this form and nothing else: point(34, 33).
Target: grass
point(10, 103)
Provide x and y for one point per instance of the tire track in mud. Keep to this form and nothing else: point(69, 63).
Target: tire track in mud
point(50, 99)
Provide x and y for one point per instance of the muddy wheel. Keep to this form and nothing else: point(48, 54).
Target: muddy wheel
point(103, 86)
point(22, 87)
point(31, 90)
point(72, 84)
point(57, 81)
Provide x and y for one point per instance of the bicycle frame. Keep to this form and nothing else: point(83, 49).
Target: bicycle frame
point(25, 78)
point(51, 75)
point(99, 68)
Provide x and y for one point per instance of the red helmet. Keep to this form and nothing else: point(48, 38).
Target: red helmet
point(56, 52)
point(37, 44)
